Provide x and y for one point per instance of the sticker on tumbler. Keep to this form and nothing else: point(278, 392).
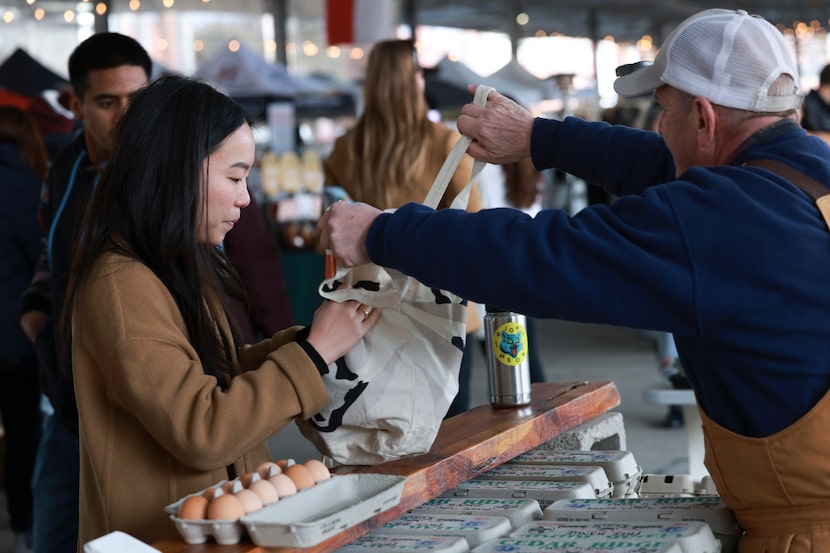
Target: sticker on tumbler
point(510, 343)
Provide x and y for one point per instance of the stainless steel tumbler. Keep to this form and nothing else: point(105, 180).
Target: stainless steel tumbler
point(507, 365)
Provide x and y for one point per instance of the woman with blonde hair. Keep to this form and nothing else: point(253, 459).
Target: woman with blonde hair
point(394, 152)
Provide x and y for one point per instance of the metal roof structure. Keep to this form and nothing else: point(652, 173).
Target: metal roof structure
point(624, 20)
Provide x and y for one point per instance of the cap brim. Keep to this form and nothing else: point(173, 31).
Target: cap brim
point(638, 83)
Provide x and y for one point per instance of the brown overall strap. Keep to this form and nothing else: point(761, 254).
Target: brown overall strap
point(813, 188)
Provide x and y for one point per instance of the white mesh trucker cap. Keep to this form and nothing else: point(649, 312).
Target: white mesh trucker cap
point(727, 56)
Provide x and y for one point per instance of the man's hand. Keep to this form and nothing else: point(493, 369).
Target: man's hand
point(500, 131)
point(343, 229)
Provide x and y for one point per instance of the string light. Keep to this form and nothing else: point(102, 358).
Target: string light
point(233, 45)
point(39, 13)
point(310, 49)
point(69, 16)
point(198, 45)
point(8, 17)
point(101, 8)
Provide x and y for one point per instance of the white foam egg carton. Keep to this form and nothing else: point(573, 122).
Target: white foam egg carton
point(474, 529)
point(691, 536)
point(594, 475)
point(620, 466)
point(708, 509)
point(517, 511)
point(302, 520)
point(535, 545)
point(406, 544)
point(545, 492)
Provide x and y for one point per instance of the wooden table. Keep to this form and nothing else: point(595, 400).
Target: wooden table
point(467, 445)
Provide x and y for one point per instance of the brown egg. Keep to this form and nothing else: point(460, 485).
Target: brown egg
point(282, 463)
point(301, 476)
point(210, 492)
point(247, 478)
point(283, 484)
point(194, 508)
point(250, 500)
point(265, 490)
point(225, 507)
point(268, 469)
point(318, 470)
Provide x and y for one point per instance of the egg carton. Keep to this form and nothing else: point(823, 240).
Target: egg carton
point(304, 519)
point(691, 536)
point(619, 465)
point(594, 475)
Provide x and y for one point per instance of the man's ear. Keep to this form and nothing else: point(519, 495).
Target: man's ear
point(705, 122)
point(75, 106)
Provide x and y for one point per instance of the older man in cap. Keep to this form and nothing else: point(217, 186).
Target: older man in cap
point(716, 237)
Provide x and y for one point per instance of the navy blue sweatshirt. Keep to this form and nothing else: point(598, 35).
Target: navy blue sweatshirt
point(733, 260)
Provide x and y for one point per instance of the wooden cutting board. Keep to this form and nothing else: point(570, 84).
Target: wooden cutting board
point(467, 445)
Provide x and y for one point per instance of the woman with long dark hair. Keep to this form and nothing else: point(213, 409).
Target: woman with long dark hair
point(168, 403)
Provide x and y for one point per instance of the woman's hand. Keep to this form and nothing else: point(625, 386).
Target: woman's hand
point(337, 327)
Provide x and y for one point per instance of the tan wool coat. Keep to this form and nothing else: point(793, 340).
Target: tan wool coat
point(153, 426)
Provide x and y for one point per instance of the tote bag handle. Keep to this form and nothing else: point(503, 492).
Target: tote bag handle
point(442, 180)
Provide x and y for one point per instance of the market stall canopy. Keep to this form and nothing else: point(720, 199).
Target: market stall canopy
point(254, 82)
point(23, 74)
point(517, 82)
point(446, 84)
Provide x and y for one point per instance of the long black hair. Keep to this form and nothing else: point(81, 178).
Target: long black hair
point(149, 203)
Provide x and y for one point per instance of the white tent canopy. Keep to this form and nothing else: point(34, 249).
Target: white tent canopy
point(512, 80)
point(517, 82)
point(246, 73)
point(456, 72)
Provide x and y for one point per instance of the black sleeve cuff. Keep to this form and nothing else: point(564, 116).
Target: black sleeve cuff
point(315, 357)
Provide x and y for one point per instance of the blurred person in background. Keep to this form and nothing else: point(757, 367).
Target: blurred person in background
point(23, 165)
point(394, 152)
point(517, 185)
point(252, 249)
point(815, 112)
point(105, 70)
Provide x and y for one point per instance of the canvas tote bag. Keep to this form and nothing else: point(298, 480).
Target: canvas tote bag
point(389, 394)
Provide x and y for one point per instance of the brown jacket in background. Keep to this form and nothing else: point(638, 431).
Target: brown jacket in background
point(340, 159)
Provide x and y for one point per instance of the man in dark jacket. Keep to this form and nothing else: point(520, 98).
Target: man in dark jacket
point(715, 237)
point(105, 71)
